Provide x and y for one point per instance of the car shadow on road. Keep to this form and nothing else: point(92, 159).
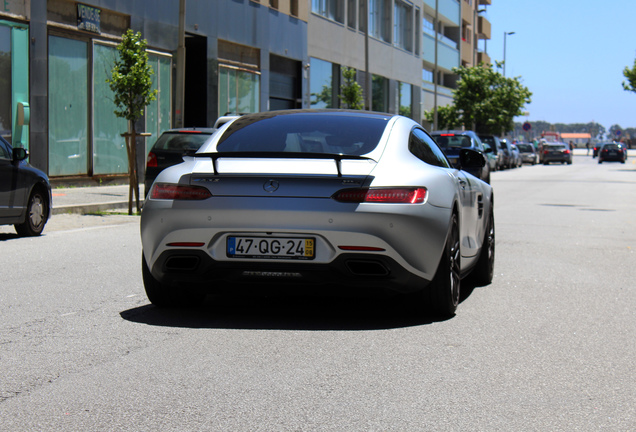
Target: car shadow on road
point(290, 313)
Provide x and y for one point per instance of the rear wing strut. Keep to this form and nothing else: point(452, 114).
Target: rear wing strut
point(338, 158)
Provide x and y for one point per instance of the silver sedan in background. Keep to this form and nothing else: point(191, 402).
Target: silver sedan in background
point(321, 201)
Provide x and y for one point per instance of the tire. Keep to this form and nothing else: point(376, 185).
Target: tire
point(445, 288)
point(36, 217)
point(162, 295)
point(485, 269)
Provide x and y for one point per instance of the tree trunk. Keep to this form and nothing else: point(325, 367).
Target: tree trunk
point(133, 179)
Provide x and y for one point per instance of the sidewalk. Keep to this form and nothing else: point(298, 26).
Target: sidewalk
point(83, 200)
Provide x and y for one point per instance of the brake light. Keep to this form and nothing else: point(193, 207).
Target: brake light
point(567, 151)
point(403, 195)
point(151, 160)
point(446, 134)
point(179, 192)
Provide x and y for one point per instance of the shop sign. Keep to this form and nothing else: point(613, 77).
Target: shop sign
point(88, 18)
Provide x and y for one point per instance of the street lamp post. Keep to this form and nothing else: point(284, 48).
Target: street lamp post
point(504, 60)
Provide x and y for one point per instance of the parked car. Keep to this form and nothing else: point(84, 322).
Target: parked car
point(170, 148)
point(506, 148)
point(528, 154)
point(317, 200)
point(556, 152)
point(612, 152)
point(495, 144)
point(25, 192)
point(453, 141)
point(516, 156)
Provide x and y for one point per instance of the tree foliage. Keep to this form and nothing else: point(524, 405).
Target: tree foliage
point(131, 77)
point(350, 90)
point(630, 74)
point(132, 85)
point(484, 101)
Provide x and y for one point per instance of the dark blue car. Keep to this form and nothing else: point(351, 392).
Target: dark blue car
point(25, 192)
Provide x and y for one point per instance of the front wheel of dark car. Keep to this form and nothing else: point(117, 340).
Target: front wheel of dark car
point(165, 296)
point(36, 217)
point(445, 287)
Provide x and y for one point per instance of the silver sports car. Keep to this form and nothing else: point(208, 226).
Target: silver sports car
point(315, 200)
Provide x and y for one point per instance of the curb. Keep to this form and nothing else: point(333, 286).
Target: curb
point(91, 208)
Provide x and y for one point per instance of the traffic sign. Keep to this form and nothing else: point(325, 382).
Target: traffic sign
point(527, 126)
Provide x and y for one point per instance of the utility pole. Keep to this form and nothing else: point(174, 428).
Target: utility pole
point(435, 73)
point(181, 53)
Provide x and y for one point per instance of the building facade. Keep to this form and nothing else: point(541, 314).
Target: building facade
point(455, 33)
point(241, 56)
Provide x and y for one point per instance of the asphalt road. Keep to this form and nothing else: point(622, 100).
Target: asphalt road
point(548, 346)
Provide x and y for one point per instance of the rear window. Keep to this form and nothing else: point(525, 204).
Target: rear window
point(180, 142)
point(555, 147)
point(524, 147)
point(450, 141)
point(330, 133)
point(610, 147)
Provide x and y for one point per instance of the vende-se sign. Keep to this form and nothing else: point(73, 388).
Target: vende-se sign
point(89, 18)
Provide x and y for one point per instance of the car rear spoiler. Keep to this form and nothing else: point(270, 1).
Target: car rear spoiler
point(338, 158)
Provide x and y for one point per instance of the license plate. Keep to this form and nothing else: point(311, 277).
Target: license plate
point(271, 247)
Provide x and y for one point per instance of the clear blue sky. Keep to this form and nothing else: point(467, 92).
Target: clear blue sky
point(571, 55)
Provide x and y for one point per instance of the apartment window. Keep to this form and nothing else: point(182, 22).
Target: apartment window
point(363, 14)
point(380, 19)
point(427, 75)
point(273, 4)
point(293, 8)
point(403, 25)
point(351, 13)
point(332, 9)
point(428, 24)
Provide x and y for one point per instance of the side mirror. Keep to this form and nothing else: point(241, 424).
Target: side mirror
point(487, 148)
point(471, 159)
point(19, 154)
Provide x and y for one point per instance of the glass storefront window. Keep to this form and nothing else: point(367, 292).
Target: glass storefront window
point(5, 82)
point(109, 147)
point(406, 108)
point(158, 117)
point(239, 91)
point(68, 106)
point(380, 94)
point(321, 83)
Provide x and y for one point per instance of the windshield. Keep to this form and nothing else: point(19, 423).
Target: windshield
point(555, 147)
point(179, 142)
point(329, 133)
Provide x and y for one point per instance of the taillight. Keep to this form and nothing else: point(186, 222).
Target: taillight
point(151, 160)
point(170, 191)
point(567, 151)
point(402, 195)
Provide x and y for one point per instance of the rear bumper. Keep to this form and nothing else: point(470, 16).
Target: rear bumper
point(348, 273)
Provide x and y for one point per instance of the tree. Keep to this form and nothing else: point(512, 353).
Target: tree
point(132, 85)
point(630, 74)
point(350, 90)
point(484, 101)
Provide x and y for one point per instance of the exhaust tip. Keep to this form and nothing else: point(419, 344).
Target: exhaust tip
point(182, 263)
point(367, 268)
